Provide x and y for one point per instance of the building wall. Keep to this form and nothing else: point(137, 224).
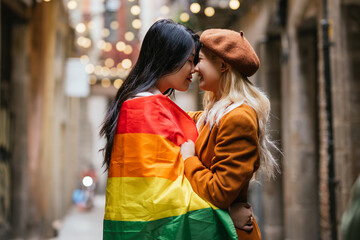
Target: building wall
point(44, 122)
point(346, 96)
point(303, 116)
point(296, 205)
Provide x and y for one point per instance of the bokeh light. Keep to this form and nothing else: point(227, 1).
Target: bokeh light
point(114, 25)
point(105, 71)
point(80, 28)
point(136, 23)
point(92, 80)
point(126, 63)
point(120, 46)
point(234, 4)
point(97, 70)
point(128, 49)
point(107, 47)
point(105, 82)
point(209, 11)
point(89, 68)
point(109, 62)
point(72, 5)
point(118, 82)
point(184, 17)
point(129, 36)
point(195, 7)
point(105, 32)
point(135, 10)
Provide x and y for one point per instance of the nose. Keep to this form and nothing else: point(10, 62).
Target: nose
point(196, 68)
point(192, 69)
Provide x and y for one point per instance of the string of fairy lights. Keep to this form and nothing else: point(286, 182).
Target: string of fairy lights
point(109, 73)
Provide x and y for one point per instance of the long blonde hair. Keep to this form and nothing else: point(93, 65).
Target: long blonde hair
point(235, 90)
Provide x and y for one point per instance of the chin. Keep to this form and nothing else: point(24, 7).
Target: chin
point(202, 87)
point(183, 89)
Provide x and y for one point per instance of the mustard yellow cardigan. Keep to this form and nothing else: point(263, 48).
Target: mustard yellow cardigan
point(227, 156)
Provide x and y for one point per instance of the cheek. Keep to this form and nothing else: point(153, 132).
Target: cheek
point(211, 72)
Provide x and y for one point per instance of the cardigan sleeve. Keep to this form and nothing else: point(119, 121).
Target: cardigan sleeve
point(236, 157)
point(195, 115)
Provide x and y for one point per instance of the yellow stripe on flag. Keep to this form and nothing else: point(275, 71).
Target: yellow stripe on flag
point(148, 199)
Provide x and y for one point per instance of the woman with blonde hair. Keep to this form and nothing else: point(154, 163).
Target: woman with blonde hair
point(233, 141)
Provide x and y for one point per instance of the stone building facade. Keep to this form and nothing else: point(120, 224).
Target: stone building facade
point(288, 37)
point(39, 123)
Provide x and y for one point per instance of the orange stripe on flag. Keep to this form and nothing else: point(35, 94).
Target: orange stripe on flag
point(145, 155)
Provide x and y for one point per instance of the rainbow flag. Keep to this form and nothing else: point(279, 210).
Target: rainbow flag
point(147, 194)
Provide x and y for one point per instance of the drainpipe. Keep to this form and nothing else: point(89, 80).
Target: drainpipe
point(330, 143)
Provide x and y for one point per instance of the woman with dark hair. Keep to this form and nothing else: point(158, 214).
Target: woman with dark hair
point(147, 194)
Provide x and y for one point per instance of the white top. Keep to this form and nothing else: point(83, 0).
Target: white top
point(152, 91)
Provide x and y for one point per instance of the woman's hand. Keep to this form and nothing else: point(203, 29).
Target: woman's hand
point(187, 149)
point(241, 215)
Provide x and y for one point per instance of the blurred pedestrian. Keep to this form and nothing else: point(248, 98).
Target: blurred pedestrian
point(233, 138)
point(350, 221)
point(147, 195)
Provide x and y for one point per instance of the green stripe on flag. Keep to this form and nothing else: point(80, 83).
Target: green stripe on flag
point(200, 224)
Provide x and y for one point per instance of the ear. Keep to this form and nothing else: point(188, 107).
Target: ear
point(224, 66)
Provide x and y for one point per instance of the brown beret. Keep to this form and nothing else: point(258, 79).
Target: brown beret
point(233, 48)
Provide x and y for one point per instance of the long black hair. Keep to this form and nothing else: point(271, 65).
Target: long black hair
point(165, 49)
